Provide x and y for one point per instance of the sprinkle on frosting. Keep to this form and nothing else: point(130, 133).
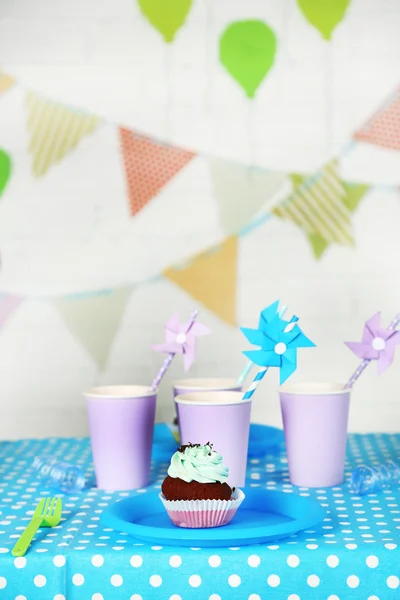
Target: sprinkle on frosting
point(189, 445)
point(194, 462)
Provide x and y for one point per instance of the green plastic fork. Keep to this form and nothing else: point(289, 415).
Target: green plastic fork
point(47, 514)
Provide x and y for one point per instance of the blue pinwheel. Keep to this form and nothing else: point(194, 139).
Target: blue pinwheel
point(278, 341)
point(271, 312)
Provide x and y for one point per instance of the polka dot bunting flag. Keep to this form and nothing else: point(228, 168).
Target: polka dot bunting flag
point(383, 129)
point(149, 166)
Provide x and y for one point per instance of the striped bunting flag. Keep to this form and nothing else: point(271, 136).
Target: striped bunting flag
point(55, 131)
point(320, 206)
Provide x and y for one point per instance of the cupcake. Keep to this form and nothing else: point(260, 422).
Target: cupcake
point(195, 492)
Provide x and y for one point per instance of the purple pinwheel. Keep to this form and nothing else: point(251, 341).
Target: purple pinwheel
point(377, 343)
point(180, 338)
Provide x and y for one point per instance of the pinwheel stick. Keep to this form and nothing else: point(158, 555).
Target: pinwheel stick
point(362, 366)
point(157, 379)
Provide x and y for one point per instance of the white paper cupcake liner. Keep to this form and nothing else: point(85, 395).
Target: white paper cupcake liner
point(203, 513)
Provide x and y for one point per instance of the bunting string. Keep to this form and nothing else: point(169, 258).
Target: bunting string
point(320, 204)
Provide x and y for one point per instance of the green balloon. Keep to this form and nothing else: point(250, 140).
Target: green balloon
point(247, 51)
point(5, 170)
point(167, 16)
point(324, 14)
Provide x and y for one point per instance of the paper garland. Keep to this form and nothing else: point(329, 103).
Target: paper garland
point(240, 191)
point(55, 130)
point(210, 278)
point(320, 204)
point(149, 166)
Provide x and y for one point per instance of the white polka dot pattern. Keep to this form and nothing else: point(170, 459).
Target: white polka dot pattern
point(214, 561)
point(332, 561)
point(175, 561)
point(355, 551)
point(293, 560)
point(20, 562)
point(234, 580)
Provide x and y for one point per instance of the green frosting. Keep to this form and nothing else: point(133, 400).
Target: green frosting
point(198, 463)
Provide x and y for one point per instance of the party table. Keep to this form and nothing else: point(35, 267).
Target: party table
point(353, 554)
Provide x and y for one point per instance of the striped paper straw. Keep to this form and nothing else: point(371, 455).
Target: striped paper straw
point(243, 375)
point(254, 384)
point(366, 361)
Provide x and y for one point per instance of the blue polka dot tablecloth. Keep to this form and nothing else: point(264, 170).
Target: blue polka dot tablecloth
point(354, 554)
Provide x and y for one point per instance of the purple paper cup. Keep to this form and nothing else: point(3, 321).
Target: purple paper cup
point(315, 417)
point(121, 423)
point(205, 384)
point(202, 384)
point(221, 418)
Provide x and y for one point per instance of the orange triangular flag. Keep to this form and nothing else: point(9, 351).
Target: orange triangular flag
point(211, 279)
point(384, 128)
point(148, 166)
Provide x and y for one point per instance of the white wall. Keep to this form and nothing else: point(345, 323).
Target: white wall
point(103, 56)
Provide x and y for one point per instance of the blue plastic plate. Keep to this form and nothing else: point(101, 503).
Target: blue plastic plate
point(262, 517)
point(263, 439)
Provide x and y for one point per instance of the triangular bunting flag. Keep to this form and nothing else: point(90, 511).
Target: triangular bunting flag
point(54, 130)
point(384, 128)
point(5, 170)
point(321, 205)
point(8, 304)
point(241, 191)
point(148, 167)
point(94, 320)
point(6, 81)
point(211, 279)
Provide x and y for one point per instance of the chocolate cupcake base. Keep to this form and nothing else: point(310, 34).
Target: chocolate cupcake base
point(174, 488)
